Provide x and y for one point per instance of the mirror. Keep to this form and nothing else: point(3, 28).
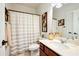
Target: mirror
point(69, 12)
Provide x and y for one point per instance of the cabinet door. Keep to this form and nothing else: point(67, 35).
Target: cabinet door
point(41, 46)
point(42, 53)
point(49, 52)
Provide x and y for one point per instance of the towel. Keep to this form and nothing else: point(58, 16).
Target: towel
point(8, 33)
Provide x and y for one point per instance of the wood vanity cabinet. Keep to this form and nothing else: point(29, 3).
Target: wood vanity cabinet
point(42, 53)
point(45, 51)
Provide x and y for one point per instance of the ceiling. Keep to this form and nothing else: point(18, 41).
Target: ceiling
point(32, 5)
point(68, 5)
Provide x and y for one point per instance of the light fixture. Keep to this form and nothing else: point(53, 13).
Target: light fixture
point(59, 5)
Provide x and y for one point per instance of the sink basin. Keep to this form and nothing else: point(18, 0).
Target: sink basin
point(70, 45)
point(62, 46)
point(59, 46)
point(75, 42)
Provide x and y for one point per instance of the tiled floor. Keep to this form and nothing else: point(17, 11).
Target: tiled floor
point(26, 53)
point(22, 53)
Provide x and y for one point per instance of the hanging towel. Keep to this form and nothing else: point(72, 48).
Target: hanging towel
point(8, 33)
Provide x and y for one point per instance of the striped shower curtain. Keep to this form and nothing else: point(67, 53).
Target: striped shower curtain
point(25, 31)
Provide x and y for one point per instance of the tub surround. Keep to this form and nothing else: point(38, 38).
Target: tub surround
point(60, 48)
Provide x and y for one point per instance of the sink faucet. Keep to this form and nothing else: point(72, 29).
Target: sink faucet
point(75, 35)
point(63, 40)
point(72, 37)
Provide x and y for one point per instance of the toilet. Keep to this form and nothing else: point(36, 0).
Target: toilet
point(34, 49)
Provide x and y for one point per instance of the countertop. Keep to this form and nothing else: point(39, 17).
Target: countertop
point(63, 51)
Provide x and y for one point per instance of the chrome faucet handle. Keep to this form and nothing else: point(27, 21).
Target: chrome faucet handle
point(76, 35)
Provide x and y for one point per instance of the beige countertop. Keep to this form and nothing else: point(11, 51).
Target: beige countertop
point(60, 48)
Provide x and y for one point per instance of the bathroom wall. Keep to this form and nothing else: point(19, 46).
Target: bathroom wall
point(49, 9)
point(66, 8)
point(21, 7)
point(2, 29)
point(76, 21)
point(65, 12)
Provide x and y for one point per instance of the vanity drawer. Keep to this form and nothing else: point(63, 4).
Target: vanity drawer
point(41, 46)
point(49, 52)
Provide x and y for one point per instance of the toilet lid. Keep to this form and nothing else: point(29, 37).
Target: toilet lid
point(33, 46)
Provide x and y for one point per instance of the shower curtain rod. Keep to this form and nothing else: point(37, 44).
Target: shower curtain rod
point(22, 12)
